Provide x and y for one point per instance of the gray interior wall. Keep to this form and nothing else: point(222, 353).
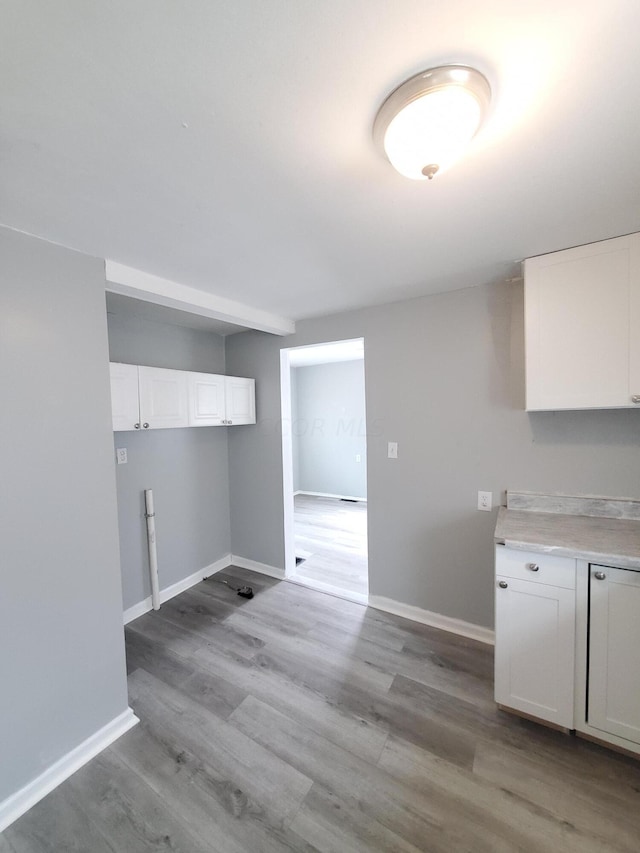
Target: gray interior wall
point(62, 667)
point(445, 379)
point(330, 427)
point(186, 468)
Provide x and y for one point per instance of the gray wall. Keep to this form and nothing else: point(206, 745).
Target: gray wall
point(62, 666)
point(329, 423)
point(186, 468)
point(445, 379)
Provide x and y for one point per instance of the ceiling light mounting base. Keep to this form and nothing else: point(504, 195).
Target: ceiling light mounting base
point(430, 170)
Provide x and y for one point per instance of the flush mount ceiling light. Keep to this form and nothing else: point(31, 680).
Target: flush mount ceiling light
point(425, 124)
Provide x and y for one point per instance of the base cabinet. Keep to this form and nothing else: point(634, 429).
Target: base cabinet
point(567, 640)
point(614, 640)
point(534, 655)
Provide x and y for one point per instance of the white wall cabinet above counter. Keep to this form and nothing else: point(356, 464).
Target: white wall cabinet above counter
point(582, 327)
point(157, 398)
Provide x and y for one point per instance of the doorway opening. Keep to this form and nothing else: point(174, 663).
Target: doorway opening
point(324, 467)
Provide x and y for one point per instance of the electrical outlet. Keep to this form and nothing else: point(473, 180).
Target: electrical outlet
point(358, 457)
point(392, 450)
point(121, 455)
point(485, 501)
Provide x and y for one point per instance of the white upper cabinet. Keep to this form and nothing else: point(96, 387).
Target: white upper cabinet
point(163, 398)
point(240, 395)
point(155, 398)
point(125, 408)
point(582, 326)
point(206, 399)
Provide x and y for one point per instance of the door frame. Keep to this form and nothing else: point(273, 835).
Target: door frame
point(286, 420)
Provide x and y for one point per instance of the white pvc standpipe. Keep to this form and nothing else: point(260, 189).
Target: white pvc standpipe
point(151, 541)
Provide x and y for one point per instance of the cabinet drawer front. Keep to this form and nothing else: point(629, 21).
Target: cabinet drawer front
point(556, 571)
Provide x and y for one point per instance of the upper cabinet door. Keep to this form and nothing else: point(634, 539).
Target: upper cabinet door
point(582, 324)
point(240, 400)
point(163, 398)
point(206, 399)
point(124, 396)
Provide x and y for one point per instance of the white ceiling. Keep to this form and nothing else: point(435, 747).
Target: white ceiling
point(226, 144)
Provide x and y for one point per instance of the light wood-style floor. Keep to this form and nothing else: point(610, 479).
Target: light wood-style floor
point(299, 721)
point(332, 537)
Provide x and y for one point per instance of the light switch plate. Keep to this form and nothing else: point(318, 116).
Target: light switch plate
point(392, 450)
point(121, 455)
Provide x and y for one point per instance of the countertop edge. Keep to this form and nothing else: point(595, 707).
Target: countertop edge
point(606, 559)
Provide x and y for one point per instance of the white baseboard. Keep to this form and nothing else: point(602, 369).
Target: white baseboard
point(253, 566)
point(336, 591)
point(330, 495)
point(435, 620)
point(17, 804)
point(168, 592)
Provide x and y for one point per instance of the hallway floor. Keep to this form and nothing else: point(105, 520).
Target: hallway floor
point(331, 536)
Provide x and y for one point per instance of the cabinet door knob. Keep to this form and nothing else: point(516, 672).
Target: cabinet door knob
point(136, 426)
point(635, 398)
point(146, 426)
point(229, 422)
point(503, 584)
point(599, 576)
point(533, 567)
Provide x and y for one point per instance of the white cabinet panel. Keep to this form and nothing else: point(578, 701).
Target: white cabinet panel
point(534, 656)
point(163, 398)
point(532, 566)
point(614, 641)
point(124, 396)
point(582, 309)
point(240, 400)
point(206, 399)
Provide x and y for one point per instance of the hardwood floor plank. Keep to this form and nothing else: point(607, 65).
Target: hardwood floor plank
point(247, 766)
point(222, 816)
point(193, 612)
point(215, 694)
point(517, 823)
point(344, 665)
point(334, 823)
point(345, 729)
point(407, 814)
point(431, 670)
point(332, 536)
point(128, 812)
point(607, 810)
point(55, 824)
point(362, 701)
